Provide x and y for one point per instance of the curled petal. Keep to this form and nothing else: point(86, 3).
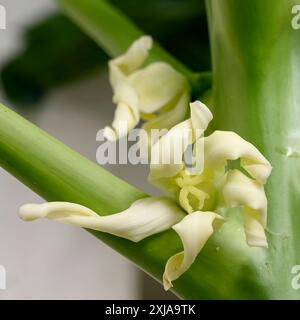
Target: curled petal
point(239, 190)
point(169, 118)
point(151, 91)
point(194, 231)
point(157, 85)
point(129, 62)
point(127, 112)
point(222, 146)
point(163, 121)
point(201, 116)
point(254, 229)
point(167, 153)
point(124, 121)
point(142, 219)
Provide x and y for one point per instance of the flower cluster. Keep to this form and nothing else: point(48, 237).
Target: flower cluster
point(156, 93)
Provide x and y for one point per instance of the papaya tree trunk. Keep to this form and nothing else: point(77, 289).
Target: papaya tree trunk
point(256, 72)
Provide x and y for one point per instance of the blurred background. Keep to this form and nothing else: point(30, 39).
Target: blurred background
point(56, 77)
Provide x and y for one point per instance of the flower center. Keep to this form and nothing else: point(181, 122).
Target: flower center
point(196, 192)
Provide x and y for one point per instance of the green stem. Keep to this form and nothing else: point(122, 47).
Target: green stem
point(256, 70)
point(114, 32)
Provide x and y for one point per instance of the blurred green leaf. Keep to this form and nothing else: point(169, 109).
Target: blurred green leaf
point(56, 52)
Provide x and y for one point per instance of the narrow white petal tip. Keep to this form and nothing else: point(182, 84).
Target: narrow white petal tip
point(146, 41)
point(194, 231)
point(257, 242)
point(30, 212)
point(167, 283)
point(110, 134)
point(254, 231)
point(201, 116)
point(260, 171)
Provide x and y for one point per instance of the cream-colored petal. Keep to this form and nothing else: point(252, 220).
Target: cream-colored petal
point(123, 122)
point(142, 219)
point(239, 190)
point(167, 153)
point(201, 116)
point(194, 231)
point(130, 61)
point(170, 118)
point(164, 121)
point(222, 146)
point(125, 94)
point(157, 85)
point(254, 229)
point(126, 115)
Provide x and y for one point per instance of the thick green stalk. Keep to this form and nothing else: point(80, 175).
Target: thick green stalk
point(256, 71)
point(114, 32)
point(224, 269)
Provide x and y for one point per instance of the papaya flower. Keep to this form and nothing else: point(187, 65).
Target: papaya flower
point(156, 93)
point(197, 198)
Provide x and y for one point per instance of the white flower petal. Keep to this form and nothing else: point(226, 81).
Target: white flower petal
point(170, 118)
point(254, 229)
point(194, 231)
point(240, 190)
point(125, 94)
point(142, 219)
point(129, 62)
point(173, 144)
point(157, 85)
point(201, 116)
point(222, 146)
point(127, 113)
point(124, 121)
point(163, 121)
point(167, 152)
